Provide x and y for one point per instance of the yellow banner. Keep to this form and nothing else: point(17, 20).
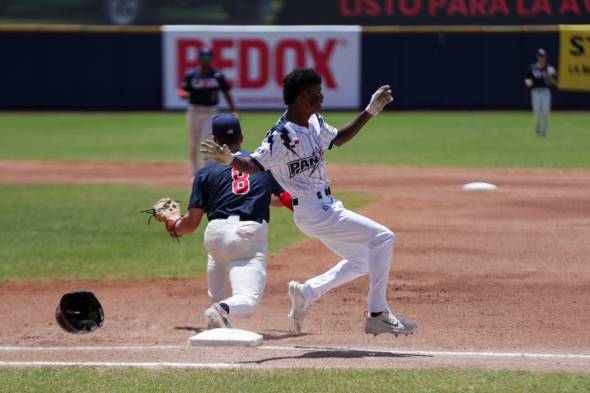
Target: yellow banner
point(574, 57)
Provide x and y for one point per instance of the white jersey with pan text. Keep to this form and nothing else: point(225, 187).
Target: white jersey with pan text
point(295, 155)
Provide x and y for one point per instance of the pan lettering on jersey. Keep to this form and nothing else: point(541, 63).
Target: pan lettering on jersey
point(302, 165)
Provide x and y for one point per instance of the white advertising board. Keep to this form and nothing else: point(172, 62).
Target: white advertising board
point(255, 60)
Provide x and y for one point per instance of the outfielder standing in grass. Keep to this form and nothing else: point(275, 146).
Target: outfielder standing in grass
point(293, 151)
point(539, 78)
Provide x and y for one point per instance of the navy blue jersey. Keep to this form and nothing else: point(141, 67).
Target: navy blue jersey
point(203, 88)
point(538, 75)
point(223, 191)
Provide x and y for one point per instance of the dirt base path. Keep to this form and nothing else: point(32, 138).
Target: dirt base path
point(492, 274)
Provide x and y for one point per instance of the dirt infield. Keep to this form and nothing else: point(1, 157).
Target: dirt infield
point(493, 274)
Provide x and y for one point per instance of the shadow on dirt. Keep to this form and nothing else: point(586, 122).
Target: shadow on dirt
point(194, 329)
point(281, 335)
point(328, 353)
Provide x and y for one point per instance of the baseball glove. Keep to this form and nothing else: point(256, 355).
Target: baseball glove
point(167, 211)
point(551, 76)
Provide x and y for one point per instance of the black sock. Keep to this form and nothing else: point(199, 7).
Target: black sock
point(224, 306)
point(376, 314)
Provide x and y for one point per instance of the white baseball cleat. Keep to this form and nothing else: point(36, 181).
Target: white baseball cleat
point(216, 317)
point(299, 307)
point(386, 322)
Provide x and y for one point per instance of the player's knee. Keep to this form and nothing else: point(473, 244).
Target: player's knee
point(385, 238)
point(249, 305)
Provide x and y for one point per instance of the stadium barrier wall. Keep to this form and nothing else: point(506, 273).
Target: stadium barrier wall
point(444, 67)
point(460, 67)
point(53, 68)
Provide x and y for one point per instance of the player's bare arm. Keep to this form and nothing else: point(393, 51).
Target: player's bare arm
point(528, 82)
point(348, 132)
point(378, 101)
point(229, 100)
point(189, 222)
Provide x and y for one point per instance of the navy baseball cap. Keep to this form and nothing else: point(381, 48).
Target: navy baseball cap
point(224, 125)
point(205, 53)
point(541, 52)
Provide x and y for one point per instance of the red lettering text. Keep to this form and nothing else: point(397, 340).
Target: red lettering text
point(256, 62)
point(457, 7)
point(219, 60)
point(521, 9)
point(412, 9)
point(371, 8)
point(187, 56)
point(499, 6)
point(389, 10)
point(247, 49)
point(569, 6)
point(477, 7)
point(321, 58)
point(541, 6)
point(283, 48)
point(344, 10)
point(435, 5)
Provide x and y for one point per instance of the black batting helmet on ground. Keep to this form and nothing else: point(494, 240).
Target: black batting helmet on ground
point(79, 312)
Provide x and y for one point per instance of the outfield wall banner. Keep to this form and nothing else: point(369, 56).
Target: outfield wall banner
point(574, 58)
point(434, 12)
point(255, 60)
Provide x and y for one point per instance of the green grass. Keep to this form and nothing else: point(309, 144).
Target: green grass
point(300, 380)
point(470, 139)
point(95, 232)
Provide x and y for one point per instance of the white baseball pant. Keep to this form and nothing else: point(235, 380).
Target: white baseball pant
point(240, 247)
point(198, 121)
point(364, 245)
point(541, 103)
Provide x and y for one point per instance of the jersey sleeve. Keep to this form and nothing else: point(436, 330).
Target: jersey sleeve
point(275, 187)
point(186, 81)
point(223, 84)
point(270, 153)
point(327, 133)
point(198, 194)
point(529, 73)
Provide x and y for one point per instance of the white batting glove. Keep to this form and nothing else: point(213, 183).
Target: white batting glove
point(213, 151)
point(379, 99)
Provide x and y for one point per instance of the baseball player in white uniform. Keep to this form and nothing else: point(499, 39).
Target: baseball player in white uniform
point(293, 151)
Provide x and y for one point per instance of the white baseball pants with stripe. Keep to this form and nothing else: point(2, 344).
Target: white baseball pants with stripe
point(237, 249)
point(365, 247)
point(198, 121)
point(541, 103)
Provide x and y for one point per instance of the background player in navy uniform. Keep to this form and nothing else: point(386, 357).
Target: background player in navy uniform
point(237, 206)
point(201, 86)
point(539, 78)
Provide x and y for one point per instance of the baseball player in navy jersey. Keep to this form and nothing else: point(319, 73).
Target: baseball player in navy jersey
point(293, 151)
point(539, 78)
point(201, 86)
point(237, 206)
